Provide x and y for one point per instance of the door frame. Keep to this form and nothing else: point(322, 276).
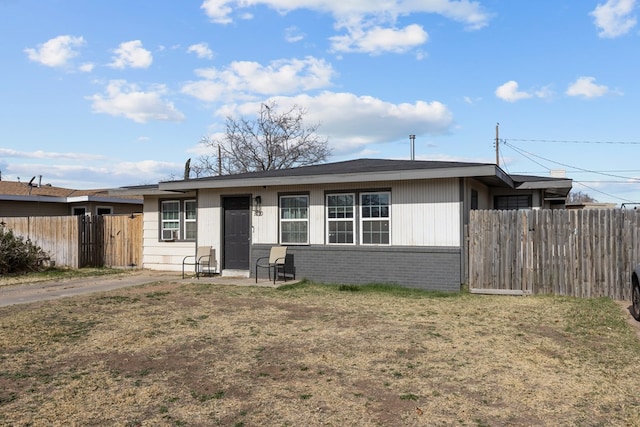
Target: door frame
point(223, 239)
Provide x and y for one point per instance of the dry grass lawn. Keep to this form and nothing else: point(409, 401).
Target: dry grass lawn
point(172, 354)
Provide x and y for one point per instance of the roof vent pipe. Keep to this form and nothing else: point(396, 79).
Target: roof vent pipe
point(412, 138)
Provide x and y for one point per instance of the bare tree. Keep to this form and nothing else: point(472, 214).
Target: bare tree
point(577, 197)
point(274, 140)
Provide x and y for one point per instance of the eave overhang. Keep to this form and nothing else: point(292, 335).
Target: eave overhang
point(488, 172)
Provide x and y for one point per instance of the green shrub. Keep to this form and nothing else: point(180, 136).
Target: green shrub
point(18, 255)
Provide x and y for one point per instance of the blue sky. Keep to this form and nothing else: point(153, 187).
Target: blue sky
point(115, 93)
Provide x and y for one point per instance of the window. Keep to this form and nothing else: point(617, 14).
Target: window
point(178, 219)
point(512, 202)
point(104, 210)
point(79, 211)
point(190, 224)
point(171, 220)
point(294, 220)
point(340, 218)
point(474, 200)
point(375, 217)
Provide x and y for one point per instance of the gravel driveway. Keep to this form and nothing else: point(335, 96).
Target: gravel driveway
point(48, 290)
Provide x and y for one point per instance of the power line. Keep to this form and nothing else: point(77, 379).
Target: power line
point(527, 154)
point(580, 171)
point(575, 142)
point(602, 192)
point(607, 182)
point(605, 171)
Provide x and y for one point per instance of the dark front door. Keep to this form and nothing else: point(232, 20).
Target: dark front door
point(237, 230)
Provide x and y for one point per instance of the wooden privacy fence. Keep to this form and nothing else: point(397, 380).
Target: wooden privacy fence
point(84, 241)
point(582, 253)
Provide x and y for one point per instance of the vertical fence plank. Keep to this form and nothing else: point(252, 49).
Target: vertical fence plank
point(76, 241)
point(586, 253)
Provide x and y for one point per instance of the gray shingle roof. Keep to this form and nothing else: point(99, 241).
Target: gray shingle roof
point(348, 166)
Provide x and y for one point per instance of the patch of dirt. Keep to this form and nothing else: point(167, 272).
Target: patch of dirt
point(197, 354)
point(626, 308)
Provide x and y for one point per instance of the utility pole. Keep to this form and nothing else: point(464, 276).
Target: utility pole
point(498, 144)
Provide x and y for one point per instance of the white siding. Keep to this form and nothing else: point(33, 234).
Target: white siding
point(426, 213)
point(209, 216)
point(265, 223)
point(423, 213)
point(159, 255)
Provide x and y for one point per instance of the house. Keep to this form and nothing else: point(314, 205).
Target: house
point(358, 221)
point(22, 199)
point(592, 205)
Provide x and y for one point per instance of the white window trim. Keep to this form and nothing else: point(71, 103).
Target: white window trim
point(353, 218)
point(186, 220)
point(362, 219)
point(282, 220)
point(176, 231)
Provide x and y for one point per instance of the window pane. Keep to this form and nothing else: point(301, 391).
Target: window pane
point(190, 230)
point(170, 210)
point(294, 232)
point(375, 232)
point(190, 209)
point(513, 202)
point(340, 206)
point(375, 205)
point(294, 207)
point(341, 232)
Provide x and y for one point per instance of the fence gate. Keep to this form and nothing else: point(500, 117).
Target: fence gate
point(84, 241)
point(90, 238)
point(110, 241)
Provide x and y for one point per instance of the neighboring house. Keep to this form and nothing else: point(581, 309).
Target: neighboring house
point(592, 205)
point(35, 199)
point(359, 221)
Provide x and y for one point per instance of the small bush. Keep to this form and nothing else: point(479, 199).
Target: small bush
point(18, 255)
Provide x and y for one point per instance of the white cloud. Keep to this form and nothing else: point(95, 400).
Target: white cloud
point(56, 52)
point(352, 122)
point(471, 101)
point(217, 11)
point(370, 24)
point(244, 79)
point(131, 54)
point(202, 50)
point(292, 34)
point(509, 92)
point(110, 173)
point(87, 67)
point(122, 99)
point(39, 154)
point(377, 40)
point(84, 170)
point(142, 168)
point(614, 18)
point(586, 88)
point(466, 11)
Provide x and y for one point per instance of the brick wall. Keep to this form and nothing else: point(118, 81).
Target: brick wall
point(431, 268)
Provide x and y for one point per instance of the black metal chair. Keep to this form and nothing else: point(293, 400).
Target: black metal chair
point(204, 261)
point(277, 257)
point(286, 270)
